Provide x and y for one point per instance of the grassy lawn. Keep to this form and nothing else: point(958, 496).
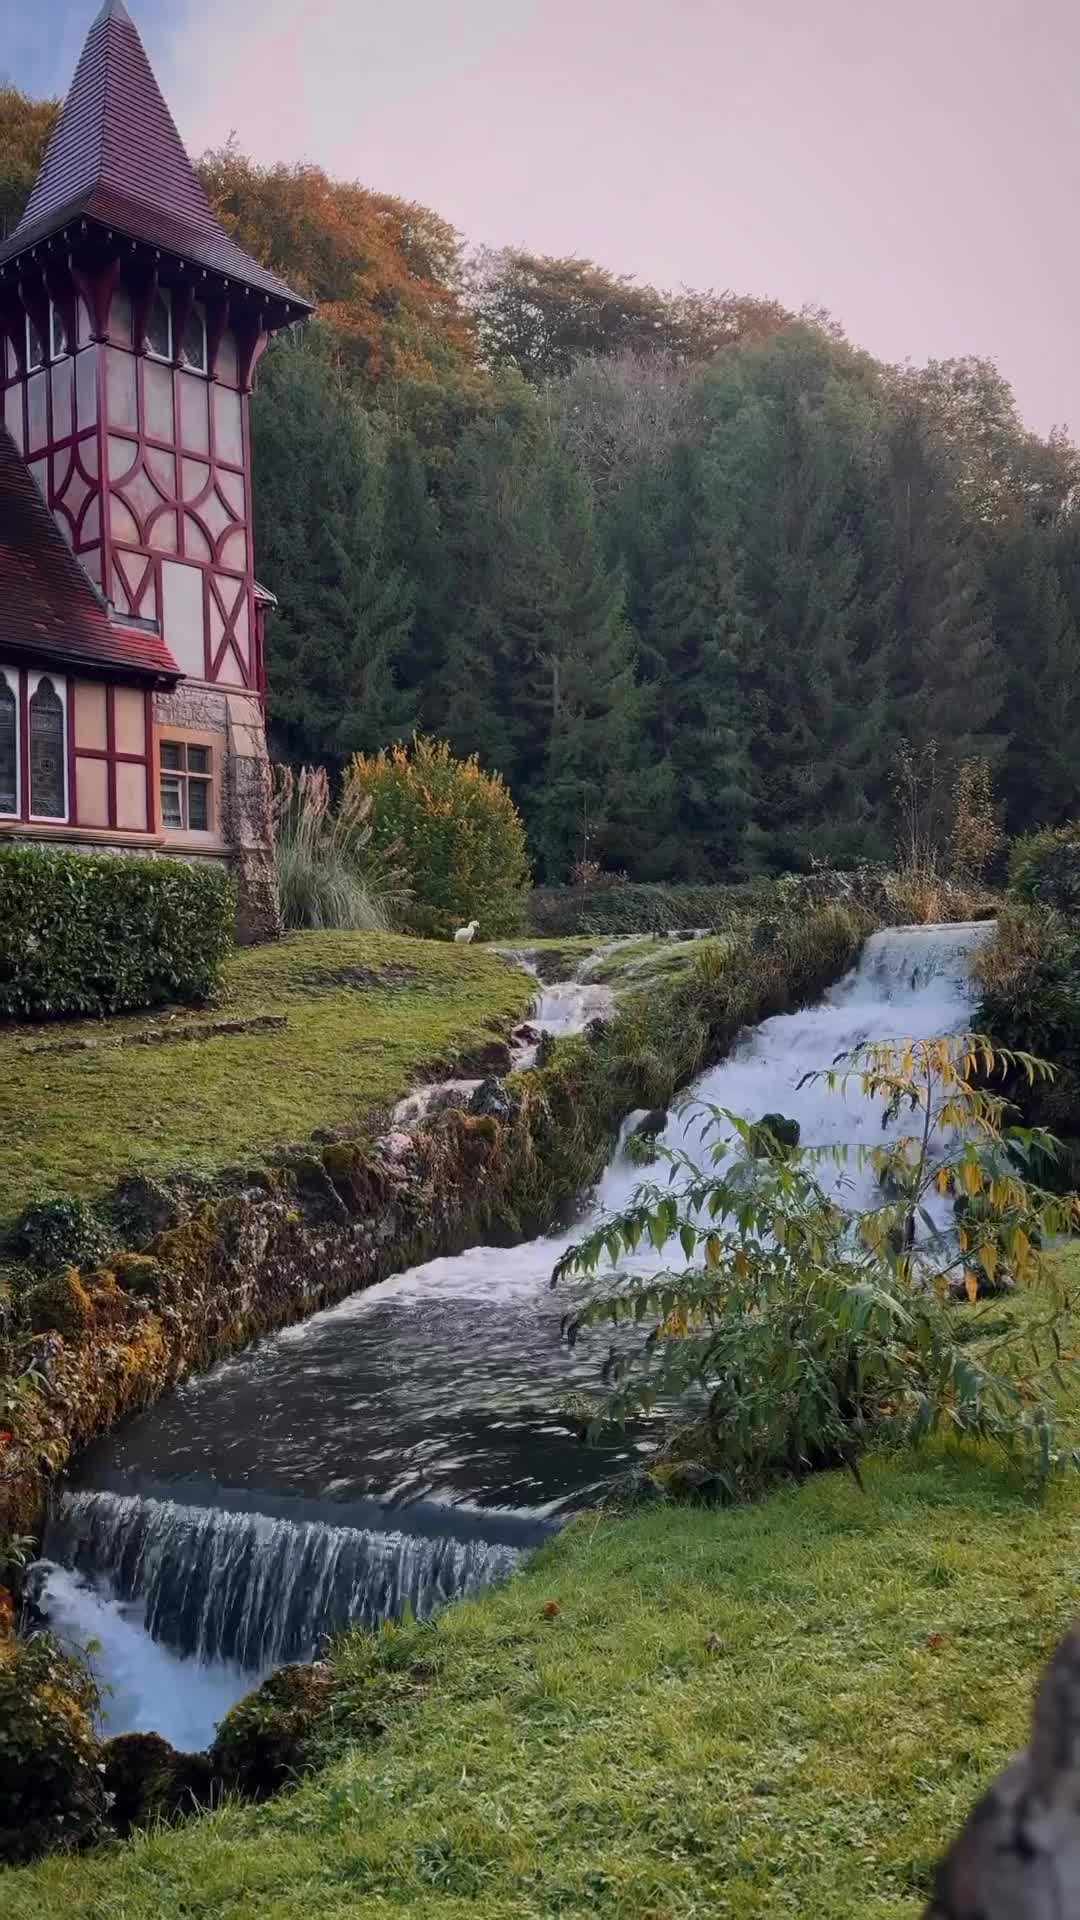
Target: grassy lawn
point(782, 1710)
point(363, 1013)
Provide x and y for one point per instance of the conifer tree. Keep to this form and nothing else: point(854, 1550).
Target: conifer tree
point(541, 674)
point(414, 545)
point(794, 444)
point(1035, 581)
point(344, 618)
point(946, 675)
point(700, 643)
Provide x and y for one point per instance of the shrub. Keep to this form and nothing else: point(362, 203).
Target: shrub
point(60, 1233)
point(455, 830)
point(805, 1332)
point(82, 934)
point(975, 836)
point(1044, 868)
point(322, 857)
point(627, 907)
point(51, 1788)
point(1029, 980)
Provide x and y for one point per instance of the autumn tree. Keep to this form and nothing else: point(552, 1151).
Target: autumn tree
point(25, 126)
point(383, 271)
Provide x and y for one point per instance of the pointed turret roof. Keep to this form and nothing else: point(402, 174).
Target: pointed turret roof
point(116, 158)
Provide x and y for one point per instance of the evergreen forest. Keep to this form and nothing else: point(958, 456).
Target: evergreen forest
point(687, 569)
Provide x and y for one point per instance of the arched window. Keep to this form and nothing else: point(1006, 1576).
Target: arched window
point(9, 746)
point(159, 340)
point(193, 345)
point(47, 753)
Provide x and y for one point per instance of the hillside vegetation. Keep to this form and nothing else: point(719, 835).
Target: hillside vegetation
point(683, 568)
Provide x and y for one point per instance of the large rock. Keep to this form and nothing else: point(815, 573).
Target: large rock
point(146, 1779)
point(487, 1059)
point(60, 1304)
point(774, 1135)
point(491, 1097)
point(142, 1209)
point(269, 1736)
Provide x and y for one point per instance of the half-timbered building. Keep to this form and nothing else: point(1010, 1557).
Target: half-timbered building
point(132, 678)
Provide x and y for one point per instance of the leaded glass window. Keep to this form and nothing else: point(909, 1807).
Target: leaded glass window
point(47, 747)
point(193, 344)
point(9, 747)
point(159, 325)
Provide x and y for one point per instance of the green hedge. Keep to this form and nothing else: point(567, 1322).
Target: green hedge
point(633, 908)
point(92, 934)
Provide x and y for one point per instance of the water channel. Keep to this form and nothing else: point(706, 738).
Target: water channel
point(407, 1445)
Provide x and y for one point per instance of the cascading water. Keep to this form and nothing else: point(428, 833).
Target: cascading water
point(561, 1008)
point(401, 1447)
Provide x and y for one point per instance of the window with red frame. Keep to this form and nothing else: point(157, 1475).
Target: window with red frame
point(33, 745)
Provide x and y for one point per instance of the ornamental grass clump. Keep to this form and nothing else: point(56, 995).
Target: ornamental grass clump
point(327, 879)
point(797, 1331)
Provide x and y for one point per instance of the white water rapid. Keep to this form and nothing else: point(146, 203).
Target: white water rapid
point(402, 1446)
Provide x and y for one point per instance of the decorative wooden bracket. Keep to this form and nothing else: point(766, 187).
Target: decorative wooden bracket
point(97, 290)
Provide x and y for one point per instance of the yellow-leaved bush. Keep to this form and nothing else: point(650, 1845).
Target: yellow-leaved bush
point(454, 830)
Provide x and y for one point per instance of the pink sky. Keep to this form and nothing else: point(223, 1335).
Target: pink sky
point(912, 168)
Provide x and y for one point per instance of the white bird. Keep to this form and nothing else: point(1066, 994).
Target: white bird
point(466, 935)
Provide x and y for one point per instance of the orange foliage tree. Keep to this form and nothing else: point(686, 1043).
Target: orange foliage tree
point(383, 271)
point(25, 126)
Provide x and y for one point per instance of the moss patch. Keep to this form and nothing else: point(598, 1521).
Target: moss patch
point(73, 1123)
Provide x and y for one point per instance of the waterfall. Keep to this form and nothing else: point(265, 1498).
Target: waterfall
point(405, 1446)
point(228, 1585)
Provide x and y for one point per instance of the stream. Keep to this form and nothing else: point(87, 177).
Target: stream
point(406, 1446)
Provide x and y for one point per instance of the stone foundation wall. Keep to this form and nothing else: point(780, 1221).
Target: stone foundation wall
point(246, 831)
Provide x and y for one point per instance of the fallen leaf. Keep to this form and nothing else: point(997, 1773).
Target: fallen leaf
point(934, 1641)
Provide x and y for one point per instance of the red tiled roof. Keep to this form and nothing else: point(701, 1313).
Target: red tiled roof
point(115, 157)
point(49, 608)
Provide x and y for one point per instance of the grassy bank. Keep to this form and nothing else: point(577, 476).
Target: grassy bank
point(363, 1013)
point(189, 1275)
point(785, 1709)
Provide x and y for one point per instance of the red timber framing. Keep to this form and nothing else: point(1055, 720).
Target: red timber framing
point(153, 304)
point(112, 757)
point(144, 461)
